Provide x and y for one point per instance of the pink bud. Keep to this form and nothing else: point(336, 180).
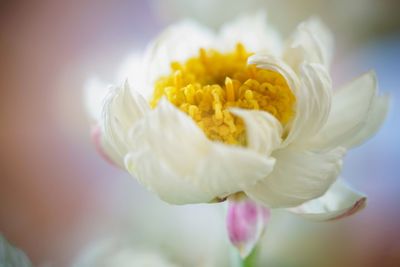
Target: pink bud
point(246, 221)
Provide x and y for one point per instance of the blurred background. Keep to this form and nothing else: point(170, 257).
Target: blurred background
point(58, 197)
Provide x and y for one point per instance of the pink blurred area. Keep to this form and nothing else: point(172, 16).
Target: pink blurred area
point(56, 193)
point(55, 190)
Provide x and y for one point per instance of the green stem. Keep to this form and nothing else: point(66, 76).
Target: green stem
point(249, 261)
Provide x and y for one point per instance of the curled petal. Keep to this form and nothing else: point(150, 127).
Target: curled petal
point(177, 142)
point(266, 61)
point(122, 108)
point(312, 88)
point(356, 114)
point(276, 64)
point(298, 176)
point(316, 94)
point(312, 42)
point(339, 201)
point(246, 221)
point(263, 130)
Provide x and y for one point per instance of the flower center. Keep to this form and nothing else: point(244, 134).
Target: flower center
point(206, 86)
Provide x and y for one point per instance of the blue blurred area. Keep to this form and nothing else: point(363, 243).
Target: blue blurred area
point(374, 166)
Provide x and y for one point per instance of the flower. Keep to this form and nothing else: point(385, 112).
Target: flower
point(239, 113)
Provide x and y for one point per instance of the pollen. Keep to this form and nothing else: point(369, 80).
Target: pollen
point(206, 86)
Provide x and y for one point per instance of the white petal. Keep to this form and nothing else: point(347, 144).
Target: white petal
point(338, 202)
point(119, 252)
point(177, 43)
point(159, 178)
point(312, 90)
point(351, 107)
point(122, 108)
point(266, 61)
point(278, 65)
point(175, 140)
point(316, 95)
point(374, 121)
point(263, 130)
point(312, 42)
point(298, 176)
point(228, 169)
point(104, 148)
point(170, 135)
point(253, 32)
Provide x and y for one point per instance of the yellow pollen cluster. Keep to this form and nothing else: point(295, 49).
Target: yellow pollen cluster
point(206, 86)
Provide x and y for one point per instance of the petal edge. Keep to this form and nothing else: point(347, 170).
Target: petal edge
point(339, 201)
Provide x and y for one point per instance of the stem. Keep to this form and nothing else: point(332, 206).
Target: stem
point(249, 261)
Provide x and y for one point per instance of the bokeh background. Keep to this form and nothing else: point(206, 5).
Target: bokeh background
point(58, 197)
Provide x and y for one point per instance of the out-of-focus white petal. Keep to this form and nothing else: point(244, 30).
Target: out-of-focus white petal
point(316, 95)
point(376, 116)
point(312, 42)
point(338, 202)
point(352, 105)
point(11, 256)
point(94, 93)
point(246, 221)
point(298, 176)
point(253, 32)
point(122, 108)
point(115, 253)
point(263, 130)
point(176, 43)
point(174, 140)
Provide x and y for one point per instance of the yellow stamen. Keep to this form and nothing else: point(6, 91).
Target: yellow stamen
point(230, 92)
point(206, 86)
point(178, 79)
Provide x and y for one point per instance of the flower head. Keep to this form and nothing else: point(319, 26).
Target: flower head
point(237, 112)
point(208, 86)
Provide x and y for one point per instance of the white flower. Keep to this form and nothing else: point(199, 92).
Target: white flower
point(268, 126)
